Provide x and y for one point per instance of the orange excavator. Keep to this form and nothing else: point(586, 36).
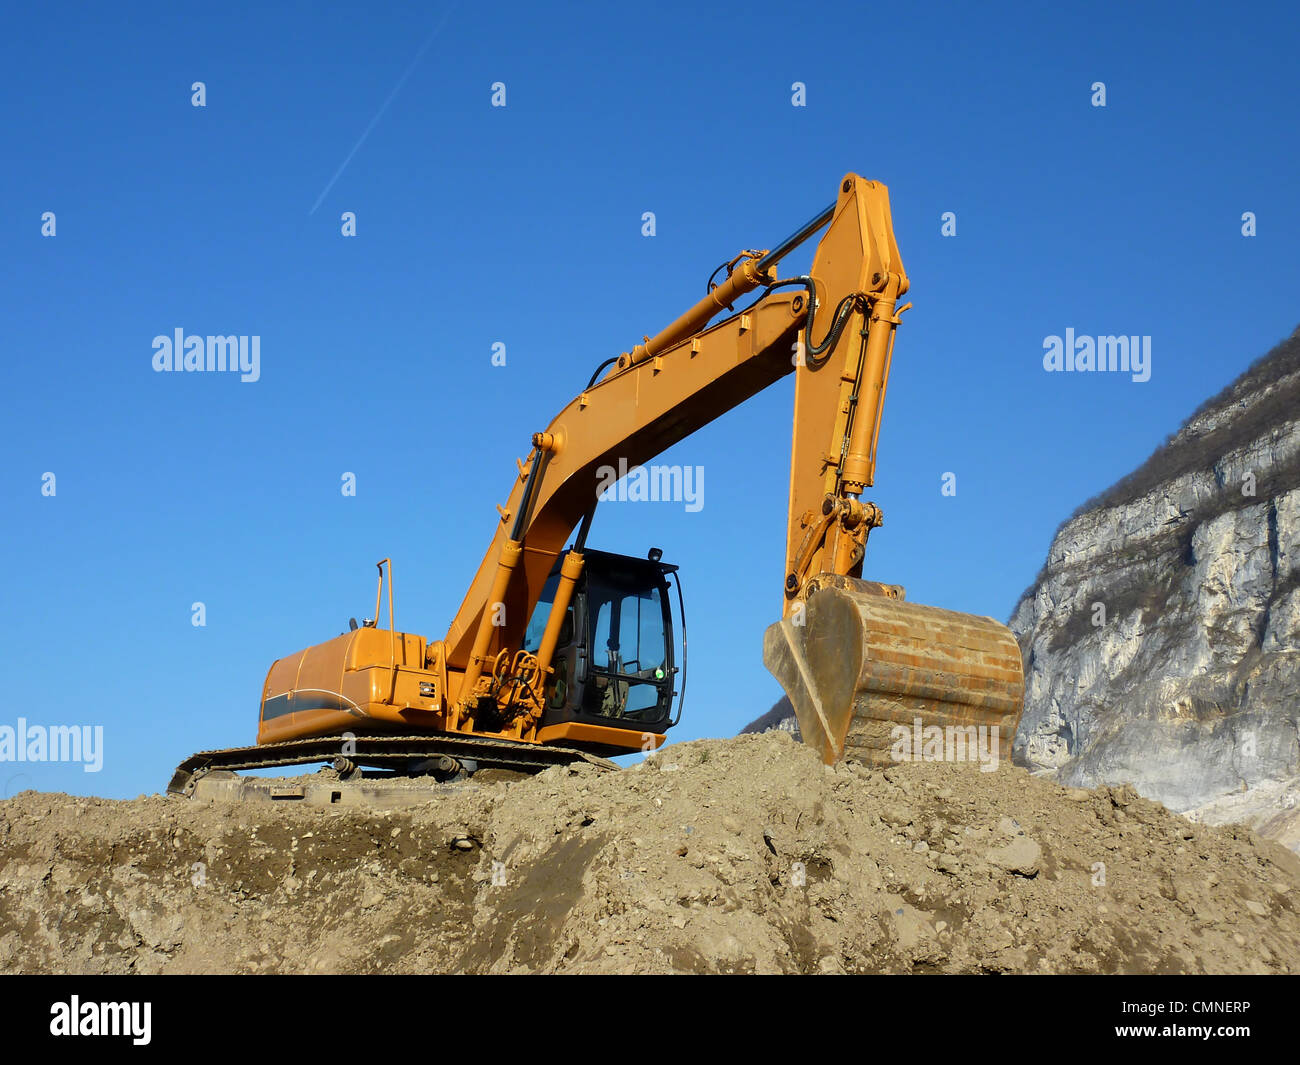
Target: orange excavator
point(560, 652)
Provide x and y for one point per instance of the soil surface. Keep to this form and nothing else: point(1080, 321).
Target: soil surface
point(742, 855)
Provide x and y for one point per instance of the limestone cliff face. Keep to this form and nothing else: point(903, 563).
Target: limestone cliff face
point(1162, 638)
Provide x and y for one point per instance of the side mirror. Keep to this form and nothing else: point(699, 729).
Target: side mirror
point(352, 624)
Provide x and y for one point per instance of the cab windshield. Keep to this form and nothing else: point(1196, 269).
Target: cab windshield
point(628, 654)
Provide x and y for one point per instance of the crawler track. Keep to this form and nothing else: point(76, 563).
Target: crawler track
point(381, 752)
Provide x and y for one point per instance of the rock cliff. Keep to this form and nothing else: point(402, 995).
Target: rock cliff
point(1162, 638)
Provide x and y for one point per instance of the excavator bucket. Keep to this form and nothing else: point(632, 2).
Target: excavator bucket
point(870, 676)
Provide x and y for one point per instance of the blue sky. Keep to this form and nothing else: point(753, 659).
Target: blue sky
point(522, 225)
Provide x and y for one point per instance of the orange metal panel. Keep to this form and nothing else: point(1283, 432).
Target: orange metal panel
point(602, 735)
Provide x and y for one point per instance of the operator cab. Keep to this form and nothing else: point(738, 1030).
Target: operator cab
point(614, 664)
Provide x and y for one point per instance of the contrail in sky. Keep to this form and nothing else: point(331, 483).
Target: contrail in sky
point(383, 107)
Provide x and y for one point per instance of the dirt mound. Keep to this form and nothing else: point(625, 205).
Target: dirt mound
point(742, 855)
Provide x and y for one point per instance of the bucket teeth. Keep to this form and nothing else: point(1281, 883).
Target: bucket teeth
point(863, 665)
